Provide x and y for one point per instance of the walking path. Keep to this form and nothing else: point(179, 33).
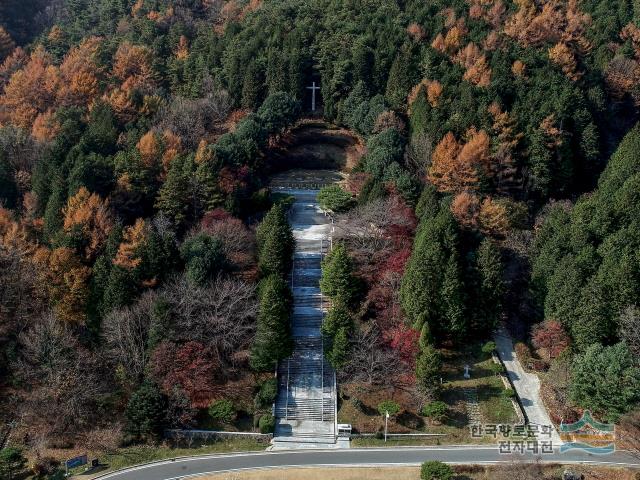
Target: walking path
point(527, 386)
point(305, 409)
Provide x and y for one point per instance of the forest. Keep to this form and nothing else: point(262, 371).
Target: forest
point(143, 259)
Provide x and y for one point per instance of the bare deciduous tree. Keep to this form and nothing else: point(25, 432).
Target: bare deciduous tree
point(220, 315)
point(191, 119)
point(365, 229)
point(66, 380)
point(370, 361)
point(419, 153)
point(125, 332)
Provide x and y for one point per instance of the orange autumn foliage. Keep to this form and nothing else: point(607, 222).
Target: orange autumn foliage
point(465, 207)
point(80, 74)
point(561, 55)
point(67, 280)
point(431, 88)
point(121, 104)
point(493, 218)
point(457, 167)
point(518, 68)
point(6, 44)
point(30, 90)
point(416, 32)
point(172, 148)
point(434, 91)
point(133, 238)
point(182, 50)
point(133, 67)
point(45, 127)
point(14, 62)
point(535, 23)
point(475, 63)
point(90, 214)
point(149, 148)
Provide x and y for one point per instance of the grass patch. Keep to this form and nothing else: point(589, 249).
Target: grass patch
point(358, 405)
point(127, 457)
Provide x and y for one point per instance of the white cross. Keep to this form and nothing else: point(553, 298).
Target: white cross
point(313, 89)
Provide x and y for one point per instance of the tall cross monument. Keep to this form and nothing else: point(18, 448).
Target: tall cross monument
point(313, 89)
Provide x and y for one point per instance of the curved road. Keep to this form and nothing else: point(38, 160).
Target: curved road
point(194, 466)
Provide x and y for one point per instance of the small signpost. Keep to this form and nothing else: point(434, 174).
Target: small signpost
point(313, 89)
point(75, 462)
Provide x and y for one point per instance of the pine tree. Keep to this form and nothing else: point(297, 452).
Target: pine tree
point(275, 243)
point(399, 82)
point(276, 71)
point(453, 298)
point(489, 300)
point(338, 280)
point(53, 218)
point(273, 337)
point(204, 258)
point(8, 187)
point(145, 411)
point(419, 115)
point(253, 86)
point(428, 369)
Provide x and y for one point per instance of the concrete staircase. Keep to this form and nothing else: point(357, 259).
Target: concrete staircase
point(305, 408)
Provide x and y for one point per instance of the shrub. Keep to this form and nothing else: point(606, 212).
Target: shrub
point(523, 352)
point(509, 393)
point(496, 368)
point(335, 199)
point(388, 406)
point(267, 393)
point(488, 348)
point(45, 466)
point(435, 410)
point(267, 423)
point(357, 404)
point(222, 411)
point(434, 470)
point(11, 462)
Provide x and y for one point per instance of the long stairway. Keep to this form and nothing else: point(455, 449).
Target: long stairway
point(305, 409)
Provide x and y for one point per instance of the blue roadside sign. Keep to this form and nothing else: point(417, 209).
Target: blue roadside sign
point(76, 461)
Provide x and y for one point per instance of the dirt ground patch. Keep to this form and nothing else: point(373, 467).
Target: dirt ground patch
point(551, 472)
point(323, 474)
point(315, 145)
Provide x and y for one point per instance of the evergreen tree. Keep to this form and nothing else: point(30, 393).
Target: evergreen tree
point(145, 411)
point(452, 296)
point(399, 81)
point(53, 218)
point(337, 327)
point(419, 117)
point(253, 86)
point(275, 243)
point(428, 369)
point(12, 462)
point(8, 187)
point(338, 280)
point(273, 336)
point(176, 196)
point(276, 71)
point(203, 257)
point(606, 380)
point(489, 300)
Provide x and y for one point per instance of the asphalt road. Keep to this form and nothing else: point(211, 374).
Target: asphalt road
point(193, 466)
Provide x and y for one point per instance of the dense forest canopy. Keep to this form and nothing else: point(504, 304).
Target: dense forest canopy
point(134, 156)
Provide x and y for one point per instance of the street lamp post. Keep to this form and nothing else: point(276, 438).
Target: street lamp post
point(386, 420)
